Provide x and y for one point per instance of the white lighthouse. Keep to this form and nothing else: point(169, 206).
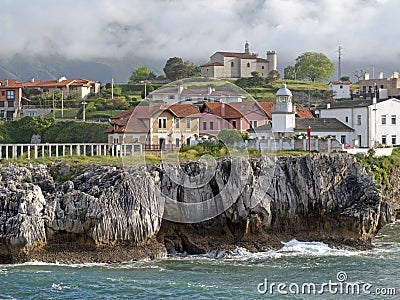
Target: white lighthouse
point(283, 118)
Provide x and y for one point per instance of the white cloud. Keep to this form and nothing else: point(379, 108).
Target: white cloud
point(195, 29)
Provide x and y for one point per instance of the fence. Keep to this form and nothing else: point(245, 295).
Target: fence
point(15, 151)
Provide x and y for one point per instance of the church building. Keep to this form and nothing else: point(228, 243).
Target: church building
point(239, 64)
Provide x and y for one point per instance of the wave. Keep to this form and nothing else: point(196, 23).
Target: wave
point(292, 248)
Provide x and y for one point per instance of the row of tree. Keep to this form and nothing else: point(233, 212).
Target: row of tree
point(310, 66)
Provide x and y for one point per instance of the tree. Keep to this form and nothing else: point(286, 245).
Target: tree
point(175, 69)
point(289, 73)
point(344, 78)
point(141, 73)
point(359, 74)
point(272, 76)
point(313, 66)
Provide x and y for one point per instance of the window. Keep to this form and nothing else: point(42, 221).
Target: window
point(10, 95)
point(394, 140)
point(207, 69)
point(10, 103)
point(232, 64)
point(359, 140)
point(204, 125)
point(171, 97)
point(393, 119)
point(177, 123)
point(162, 122)
point(347, 119)
point(177, 142)
point(384, 140)
point(1, 103)
point(2, 93)
point(253, 124)
point(341, 86)
point(381, 86)
point(234, 124)
point(187, 123)
point(211, 125)
point(383, 119)
point(343, 139)
point(262, 67)
point(248, 65)
point(358, 119)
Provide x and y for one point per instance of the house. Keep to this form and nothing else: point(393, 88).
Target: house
point(239, 64)
point(156, 126)
point(79, 87)
point(381, 87)
point(220, 116)
point(340, 89)
point(175, 126)
point(253, 114)
point(11, 99)
point(374, 122)
point(194, 94)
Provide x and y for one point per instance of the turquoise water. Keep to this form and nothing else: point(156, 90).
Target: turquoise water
point(241, 275)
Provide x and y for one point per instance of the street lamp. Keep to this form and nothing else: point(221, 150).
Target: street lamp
point(83, 112)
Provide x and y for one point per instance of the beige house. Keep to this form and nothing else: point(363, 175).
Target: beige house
point(67, 87)
point(239, 65)
point(156, 126)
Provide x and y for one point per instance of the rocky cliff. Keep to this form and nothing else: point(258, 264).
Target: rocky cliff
point(120, 214)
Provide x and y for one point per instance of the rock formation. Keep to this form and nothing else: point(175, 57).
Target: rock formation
point(106, 213)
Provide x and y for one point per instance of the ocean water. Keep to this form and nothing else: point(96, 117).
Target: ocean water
point(298, 270)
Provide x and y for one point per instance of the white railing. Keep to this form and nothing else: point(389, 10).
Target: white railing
point(34, 151)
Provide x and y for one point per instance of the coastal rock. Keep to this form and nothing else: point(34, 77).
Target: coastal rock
point(112, 214)
point(328, 198)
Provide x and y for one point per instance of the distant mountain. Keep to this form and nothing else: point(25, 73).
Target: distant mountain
point(24, 68)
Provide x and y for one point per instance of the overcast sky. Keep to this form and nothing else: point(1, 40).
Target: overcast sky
point(194, 29)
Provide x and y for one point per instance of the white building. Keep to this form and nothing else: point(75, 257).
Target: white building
point(373, 123)
point(239, 64)
point(194, 94)
point(341, 89)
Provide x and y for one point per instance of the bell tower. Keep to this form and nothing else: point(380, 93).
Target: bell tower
point(283, 118)
point(247, 48)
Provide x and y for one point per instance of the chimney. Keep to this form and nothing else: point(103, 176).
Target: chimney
point(380, 75)
point(366, 76)
point(6, 83)
point(328, 106)
point(210, 90)
point(33, 80)
point(223, 109)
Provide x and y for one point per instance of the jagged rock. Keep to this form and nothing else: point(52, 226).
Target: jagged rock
point(114, 214)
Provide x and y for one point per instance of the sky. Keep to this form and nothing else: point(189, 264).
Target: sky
point(194, 29)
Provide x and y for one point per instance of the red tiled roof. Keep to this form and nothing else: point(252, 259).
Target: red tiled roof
point(262, 60)
point(303, 112)
point(183, 110)
point(217, 109)
point(238, 55)
point(267, 107)
point(10, 84)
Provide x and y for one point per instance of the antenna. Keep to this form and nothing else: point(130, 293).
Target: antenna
point(339, 62)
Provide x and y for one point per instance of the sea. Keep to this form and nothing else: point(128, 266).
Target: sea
point(298, 270)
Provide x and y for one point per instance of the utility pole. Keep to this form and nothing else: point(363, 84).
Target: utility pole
point(112, 88)
point(62, 104)
point(340, 63)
